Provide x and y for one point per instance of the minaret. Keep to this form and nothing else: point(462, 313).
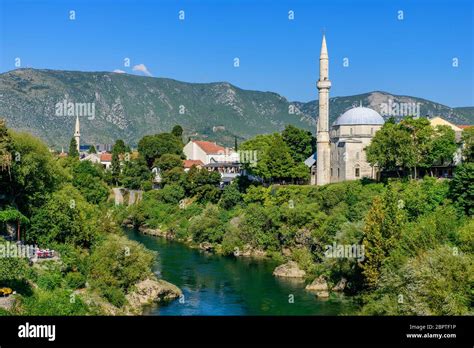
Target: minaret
point(77, 133)
point(322, 135)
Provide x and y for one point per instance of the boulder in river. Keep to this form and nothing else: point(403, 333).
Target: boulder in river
point(290, 270)
point(319, 285)
point(206, 246)
point(322, 294)
point(341, 285)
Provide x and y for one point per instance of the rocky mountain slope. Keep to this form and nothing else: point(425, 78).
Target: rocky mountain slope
point(128, 107)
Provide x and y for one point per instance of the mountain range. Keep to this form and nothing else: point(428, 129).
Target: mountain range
point(129, 107)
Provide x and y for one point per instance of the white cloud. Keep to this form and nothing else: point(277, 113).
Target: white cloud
point(118, 71)
point(142, 68)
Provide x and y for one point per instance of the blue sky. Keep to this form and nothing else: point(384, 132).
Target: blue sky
point(413, 56)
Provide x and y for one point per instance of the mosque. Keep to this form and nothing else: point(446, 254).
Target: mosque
point(340, 152)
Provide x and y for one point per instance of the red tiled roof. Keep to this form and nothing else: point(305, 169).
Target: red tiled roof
point(190, 163)
point(465, 126)
point(106, 157)
point(210, 148)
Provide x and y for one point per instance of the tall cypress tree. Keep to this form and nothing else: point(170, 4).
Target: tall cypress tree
point(73, 149)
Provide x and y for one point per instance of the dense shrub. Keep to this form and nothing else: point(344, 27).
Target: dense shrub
point(75, 280)
point(49, 280)
point(114, 295)
point(230, 197)
point(207, 226)
point(53, 302)
point(118, 262)
point(171, 194)
point(462, 188)
point(435, 282)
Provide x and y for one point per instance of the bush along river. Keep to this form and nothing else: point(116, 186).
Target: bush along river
point(221, 285)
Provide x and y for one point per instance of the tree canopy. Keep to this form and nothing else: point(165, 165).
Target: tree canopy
point(152, 147)
point(411, 144)
point(274, 159)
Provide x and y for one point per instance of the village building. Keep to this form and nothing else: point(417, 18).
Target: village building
point(188, 164)
point(214, 157)
point(209, 152)
point(106, 160)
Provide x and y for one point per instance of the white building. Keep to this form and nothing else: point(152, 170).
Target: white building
point(209, 152)
point(92, 157)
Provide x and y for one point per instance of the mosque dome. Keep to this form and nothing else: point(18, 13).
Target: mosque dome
point(359, 115)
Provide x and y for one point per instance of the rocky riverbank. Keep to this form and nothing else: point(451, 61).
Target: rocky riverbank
point(150, 291)
point(143, 294)
point(246, 251)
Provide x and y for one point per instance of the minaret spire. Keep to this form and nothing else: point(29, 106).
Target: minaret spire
point(323, 146)
point(77, 133)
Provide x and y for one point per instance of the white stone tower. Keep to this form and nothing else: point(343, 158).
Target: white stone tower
point(77, 133)
point(322, 135)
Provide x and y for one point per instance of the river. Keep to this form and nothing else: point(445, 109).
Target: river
point(218, 285)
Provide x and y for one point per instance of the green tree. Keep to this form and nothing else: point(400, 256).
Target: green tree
point(35, 174)
point(435, 282)
point(66, 218)
point(462, 188)
point(230, 197)
point(443, 146)
point(420, 146)
point(277, 163)
point(118, 150)
point(411, 144)
point(12, 268)
point(119, 147)
point(135, 174)
point(274, 159)
point(152, 147)
point(92, 149)
point(383, 225)
point(6, 147)
point(301, 143)
point(207, 227)
point(115, 167)
point(468, 144)
point(73, 153)
point(171, 194)
point(174, 176)
point(177, 131)
point(88, 179)
point(387, 149)
point(202, 183)
point(169, 161)
point(118, 262)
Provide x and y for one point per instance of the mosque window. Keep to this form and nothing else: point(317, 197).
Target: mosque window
point(372, 131)
point(338, 172)
point(351, 130)
point(331, 171)
point(357, 172)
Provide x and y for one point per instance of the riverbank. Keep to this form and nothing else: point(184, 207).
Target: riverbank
point(246, 251)
point(151, 291)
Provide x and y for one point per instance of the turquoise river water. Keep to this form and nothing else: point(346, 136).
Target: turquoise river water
point(218, 285)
